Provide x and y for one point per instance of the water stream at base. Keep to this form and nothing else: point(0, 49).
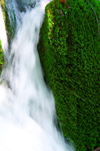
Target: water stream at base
point(27, 106)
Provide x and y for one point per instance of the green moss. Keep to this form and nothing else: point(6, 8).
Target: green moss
point(69, 50)
point(1, 57)
point(10, 31)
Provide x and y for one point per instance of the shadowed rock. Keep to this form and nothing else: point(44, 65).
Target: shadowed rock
point(97, 149)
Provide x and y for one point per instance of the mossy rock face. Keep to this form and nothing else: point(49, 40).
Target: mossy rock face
point(10, 32)
point(9, 29)
point(1, 50)
point(69, 50)
point(1, 57)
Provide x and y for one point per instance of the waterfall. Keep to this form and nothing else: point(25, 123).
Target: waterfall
point(27, 106)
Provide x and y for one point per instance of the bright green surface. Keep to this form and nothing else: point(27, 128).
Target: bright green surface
point(69, 50)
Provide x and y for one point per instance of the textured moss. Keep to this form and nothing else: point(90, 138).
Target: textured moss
point(10, 32)
point(1, 50)
point(9, 29)
point(69, 50)
point(1, 57)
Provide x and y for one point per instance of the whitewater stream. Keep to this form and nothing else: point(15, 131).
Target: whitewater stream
point(27, 106)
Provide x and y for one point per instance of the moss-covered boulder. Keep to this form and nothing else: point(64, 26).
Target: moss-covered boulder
point(69, 50)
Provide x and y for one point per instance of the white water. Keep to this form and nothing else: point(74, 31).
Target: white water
point(27, 107)
point(27, 2)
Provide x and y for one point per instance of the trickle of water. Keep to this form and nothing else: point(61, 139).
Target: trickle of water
point(27, 107)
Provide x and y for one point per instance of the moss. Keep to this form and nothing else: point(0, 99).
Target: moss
point(10, 32)
point(1, 57)
point(1, 50)
point(69, 50)
point(9, 29)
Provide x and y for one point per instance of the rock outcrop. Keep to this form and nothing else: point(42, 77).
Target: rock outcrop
point(69, 50)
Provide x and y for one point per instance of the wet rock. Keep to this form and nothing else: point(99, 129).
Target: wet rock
point(97, 149)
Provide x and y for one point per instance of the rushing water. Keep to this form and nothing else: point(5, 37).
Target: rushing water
point(27, 106)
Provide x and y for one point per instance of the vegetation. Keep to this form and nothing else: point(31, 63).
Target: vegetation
point(9, 29)
point(1, 57)
point(1, 50)
point(69, 50)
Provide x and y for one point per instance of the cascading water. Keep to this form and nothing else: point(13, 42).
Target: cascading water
point(27, 107)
